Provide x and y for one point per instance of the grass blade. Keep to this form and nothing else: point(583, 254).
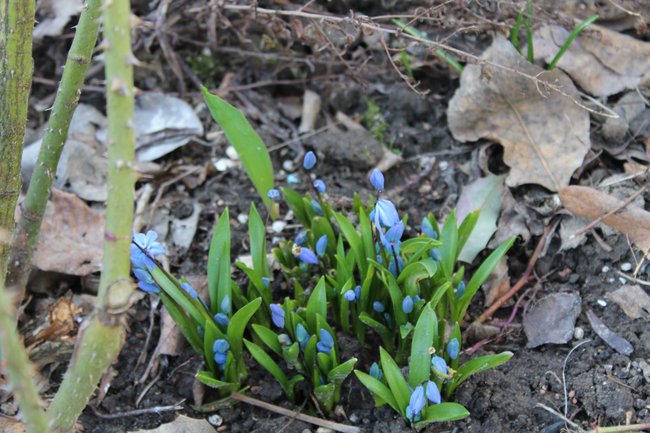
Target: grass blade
point(570, 39)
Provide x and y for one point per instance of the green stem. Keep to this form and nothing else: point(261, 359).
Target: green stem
point(621, 428)
point(16, 66)
point(56, 133)
point(570, 39)
point(19, 370)
point(99, 342)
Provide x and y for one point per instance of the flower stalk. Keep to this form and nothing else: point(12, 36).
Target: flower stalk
point(56, 133)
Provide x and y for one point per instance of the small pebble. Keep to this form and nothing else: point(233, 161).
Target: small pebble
point(443, 165)
point(324, 430)
point(354, 418)
point(622, 280)
point(216, 420)
point(278, 226)
point(626, 267)
point(288, 165)
point(605, 269)
point(602, 302)
point(292, 179)
point(242, 218)
point(306, 431)
point(232, 153)
point(224, 164)
point(578, 333)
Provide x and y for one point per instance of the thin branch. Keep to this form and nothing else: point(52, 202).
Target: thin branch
point(156, 409)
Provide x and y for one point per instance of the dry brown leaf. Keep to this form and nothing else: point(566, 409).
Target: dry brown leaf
point(182, 424)
point(545, 135)
point(71, 236)
point(633, 300)
point(10, 425)
point(591, 203)
point(601, 61)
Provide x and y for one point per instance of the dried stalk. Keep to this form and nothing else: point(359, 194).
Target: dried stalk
point(101, 337)
point(56, 133)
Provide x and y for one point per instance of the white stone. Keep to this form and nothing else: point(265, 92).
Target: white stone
point(601, 302)
point(278, 226)
point(626, 267)
point(216, 420)
point(242, 218)
point(232, 153)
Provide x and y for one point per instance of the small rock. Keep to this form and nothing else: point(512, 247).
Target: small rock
point(216, 420)
point(288, 165)
point(242, 218)
point(443, 165)
point(306, 431)
point(578, 333)
point(552, 319)
point(354, 418)
point(232, 153)
point(278, 226)
point(605, 269)
point(622, 280)
point(324, 430)
point(224, 164)
point(626, 267)
point(292, 179)
point(602, 303)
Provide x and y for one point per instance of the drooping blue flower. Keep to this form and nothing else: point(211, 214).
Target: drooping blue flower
point(148, 247)
point(284, 340)
point(221, 319)
point(315, 207)
point(277, 315)
point(145, 281)
point(378, 307)
point(460, 290)
point(309, 161)
point(305, 255)
point(393, 269)
point(393, 237)
point(453, 348)
point(439, 365)
point(416, 298)
point(220, 348)
point(321, 245)
point(407, 305)
point(320, 186)
point(226, 306)
point(266, 281)
point(190, 290)
point(433, 393)
point(274, 195)
point(349, 296)
point(416, 403)
point(220, 359)
point(326, 342)
point(293, 179)
point(301, 237)
point(385, 213)
point(302, 335)
point(427, 228)
point(375, 371)
point(357, 292)
point(377, 179)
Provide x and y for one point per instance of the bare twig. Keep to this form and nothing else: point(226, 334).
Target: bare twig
point(297, 415)
point(404, 78)
point(136, 412)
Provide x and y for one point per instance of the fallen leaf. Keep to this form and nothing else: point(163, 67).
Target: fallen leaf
point(615, 341)
point(552, 319)
point(483, 194)
point(71, 237)
point(601, 61)
point(182, 424)
point(513, 221)
point(628, 108)
point(545, 135)
point(183, 230)
point(591, 203)
point(633, 300)
point(10, 425)
point(498, 283)
point(55, 14)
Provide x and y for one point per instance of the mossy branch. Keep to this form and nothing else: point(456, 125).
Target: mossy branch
point(56, 133)
point(100, 340)
point(16, 66)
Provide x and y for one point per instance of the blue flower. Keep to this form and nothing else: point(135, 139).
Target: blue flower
point(392, 238)
point(321, 245)
point(378, 307)
point(190, 290)
point(320, 186)
point(433, 393)
point(221, 319)
point(375, 371)
point(284, 340)
point(277, 315)
point(273, 194)
point(315, 207)
point(434, 253)
point(292, 179)
point(326, 342)
point(305, 255)
point(391, 266)
point(416, 298)
point(309, 161)
point(301, 237)
point(220, 348)
point(385, 213)
point(416, 403)
point(266, 281)
point(349, 296)
point(377, 179)
point(460, 290)
point(220, 359)
point(357, 292)
point(148, 247)
point(439, 365)
point(427, 228)
point(145, 281)
point(302, 335)
point(225, 306)
point(453, 348)
point(407, 305)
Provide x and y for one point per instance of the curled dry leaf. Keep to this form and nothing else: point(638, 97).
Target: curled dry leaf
point(182, 424)
point(615, 341)
point(545, 135)
point(593, 204)
point(71, 236)
point(601, 61)
point(633, 300)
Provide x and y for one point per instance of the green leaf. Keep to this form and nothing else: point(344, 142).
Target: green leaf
point(396, 382)
point(338, 374)
point(480, 276)
point(320, 226)
point(395, 294)
point(477, 365)
point(208, 379)
point(384, 333)
point(449, 248)
point(353, 238)
point(185, 323)
point(366, 234)
point(423, 337)
point(257, 283)
point(238, 324)
point(378, 389)
point(413, 273)
point(210, 334)
point(219, 263)
point(565, 46)
point(179, 296)
point(317, 304)
point(297, 206)
point(250, 148)
point(269, 338)
point(257, 236)
point(325, 396)
point(271, 366)
point(466, 230)
point(484, 195)
point(441, 413)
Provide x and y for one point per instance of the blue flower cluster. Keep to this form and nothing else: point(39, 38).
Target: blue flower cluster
point(418, 401)
point(221, 349)
point(223, 317)
point(144, 247)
